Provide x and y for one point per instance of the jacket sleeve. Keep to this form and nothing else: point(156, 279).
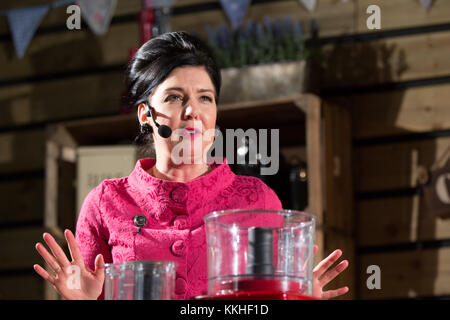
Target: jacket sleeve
point(91, 234)
point(272, 202)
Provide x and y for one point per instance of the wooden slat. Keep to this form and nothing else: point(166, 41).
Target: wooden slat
point(338, 164)
point(69, 51)
point(338, 218)
point(20, 252)
point(403, 14)
point(311, 106)
point(407, 274)
point(23, 287)
point(182, 3)
point(390, 166)
point(384, 61)
point(333, 17)
point(14, 4)
point(335, 240)
point(394, 220)
point(400, 112)
point(95, 94)
point(58, 16)
point(22, 151)
point(21, 201)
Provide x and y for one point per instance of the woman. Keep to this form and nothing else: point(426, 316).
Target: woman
point(156, 213)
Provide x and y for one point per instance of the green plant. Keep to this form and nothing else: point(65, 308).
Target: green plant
point(252, 44)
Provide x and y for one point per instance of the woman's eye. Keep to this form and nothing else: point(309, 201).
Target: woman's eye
point(206, 98)
point(173, 97)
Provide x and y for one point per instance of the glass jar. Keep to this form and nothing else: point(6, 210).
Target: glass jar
point(140, 280)
point(260, 251)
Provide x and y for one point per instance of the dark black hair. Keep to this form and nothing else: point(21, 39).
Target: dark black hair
point(157, 58)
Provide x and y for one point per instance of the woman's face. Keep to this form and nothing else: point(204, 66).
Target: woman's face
point(184, 101)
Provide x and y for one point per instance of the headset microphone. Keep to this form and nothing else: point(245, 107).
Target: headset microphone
point(163, 130)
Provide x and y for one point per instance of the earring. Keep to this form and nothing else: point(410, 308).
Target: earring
point(146, 128)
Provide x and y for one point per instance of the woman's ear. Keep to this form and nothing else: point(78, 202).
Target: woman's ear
point(143, 114)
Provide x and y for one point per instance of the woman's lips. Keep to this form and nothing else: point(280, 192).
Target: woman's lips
point(191, 132)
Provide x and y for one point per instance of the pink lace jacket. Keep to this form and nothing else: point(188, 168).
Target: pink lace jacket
point(174, 228)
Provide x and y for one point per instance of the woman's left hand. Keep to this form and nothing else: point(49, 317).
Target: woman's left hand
point(322, 276)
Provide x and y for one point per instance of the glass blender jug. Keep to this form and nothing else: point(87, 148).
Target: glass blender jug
point(140, 280)
point(260, 254)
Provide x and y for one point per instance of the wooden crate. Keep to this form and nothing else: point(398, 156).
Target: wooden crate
point(407, 274)
point(304, 121)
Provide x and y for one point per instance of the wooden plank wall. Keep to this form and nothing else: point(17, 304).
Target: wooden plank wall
point(74, 74)
point(396, 83)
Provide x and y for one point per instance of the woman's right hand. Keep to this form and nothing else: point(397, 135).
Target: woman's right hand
point(72, 279)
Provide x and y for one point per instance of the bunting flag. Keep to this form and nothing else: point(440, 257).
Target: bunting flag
point(426, 4)
point(23, 23)
point(97, 14)
point(310, 5)
point(235, 11)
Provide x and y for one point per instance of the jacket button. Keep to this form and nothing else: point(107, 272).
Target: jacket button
point(179, 194)
point(180, 286)
point(140, 220)
point(180, 222)
point(178, 248)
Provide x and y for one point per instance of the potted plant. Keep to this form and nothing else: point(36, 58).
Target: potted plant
point(260, 61)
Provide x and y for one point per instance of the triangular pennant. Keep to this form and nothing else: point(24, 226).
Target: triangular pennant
point(98, 14)
point(426, 4)
point(235, 11)
point(23, 23)
point(310, 5)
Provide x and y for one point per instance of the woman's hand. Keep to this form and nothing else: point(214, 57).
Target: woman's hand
point(322, 276)
point(72, 279)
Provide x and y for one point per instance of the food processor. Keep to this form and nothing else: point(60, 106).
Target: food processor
point(260, 254)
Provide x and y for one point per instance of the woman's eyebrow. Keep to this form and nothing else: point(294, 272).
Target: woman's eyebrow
point(206, 90)
point(174, 88)
point(181, 90)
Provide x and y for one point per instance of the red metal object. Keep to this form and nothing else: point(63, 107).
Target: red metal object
point(257, 295)
point(257, 289)
point(146, 20)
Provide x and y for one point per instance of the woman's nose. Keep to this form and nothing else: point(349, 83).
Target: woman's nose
point(191, 111)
